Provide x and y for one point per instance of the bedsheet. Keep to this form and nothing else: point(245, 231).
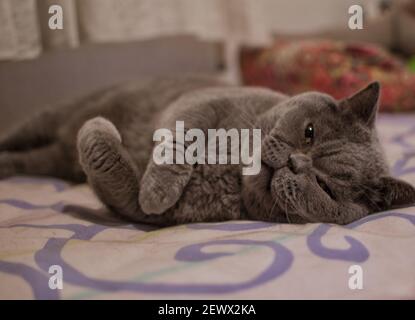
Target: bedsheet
point(51, 230)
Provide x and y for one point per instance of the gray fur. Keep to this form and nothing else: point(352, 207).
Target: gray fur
point(106, 138)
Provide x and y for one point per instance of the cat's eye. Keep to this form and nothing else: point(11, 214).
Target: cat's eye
point(309, 133)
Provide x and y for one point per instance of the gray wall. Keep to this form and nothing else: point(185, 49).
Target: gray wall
point(27, 86)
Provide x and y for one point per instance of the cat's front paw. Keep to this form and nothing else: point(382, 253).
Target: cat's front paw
point(156, 201)
point(160, 190)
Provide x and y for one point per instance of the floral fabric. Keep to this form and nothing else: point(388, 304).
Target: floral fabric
point(337, 68)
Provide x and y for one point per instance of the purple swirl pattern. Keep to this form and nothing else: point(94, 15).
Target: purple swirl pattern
point(57, 184)
point(356, 252)
point(406, 141)
point(51, 254)
point(282, 257)
point(230, 226)
point(36, 279)
point(25, 205)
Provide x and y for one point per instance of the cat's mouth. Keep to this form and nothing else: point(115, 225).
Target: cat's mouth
point(323, 185)
point(270, 171)
point(283, 183)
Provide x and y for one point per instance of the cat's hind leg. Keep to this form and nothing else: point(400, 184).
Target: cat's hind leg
point(38, 131)
point(48, 160)
point(110, 170)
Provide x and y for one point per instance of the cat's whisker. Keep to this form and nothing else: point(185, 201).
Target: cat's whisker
point(273, 207)
point(286, 211)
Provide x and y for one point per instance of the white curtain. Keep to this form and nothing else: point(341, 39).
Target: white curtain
point(24, 31)
point(19, 29)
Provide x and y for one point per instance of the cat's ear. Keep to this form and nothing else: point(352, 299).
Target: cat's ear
point(395, 192)
point(363, 104)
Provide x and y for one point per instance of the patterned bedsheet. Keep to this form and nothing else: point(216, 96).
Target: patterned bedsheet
point(47, 222)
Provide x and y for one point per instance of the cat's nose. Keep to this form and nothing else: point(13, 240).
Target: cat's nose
point(299, 162)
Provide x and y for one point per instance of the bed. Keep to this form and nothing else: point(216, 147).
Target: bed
point(46, 222)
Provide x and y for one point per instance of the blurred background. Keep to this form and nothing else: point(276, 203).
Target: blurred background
point(287, 45)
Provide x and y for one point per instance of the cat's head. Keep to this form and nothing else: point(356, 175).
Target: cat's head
point(322, 162)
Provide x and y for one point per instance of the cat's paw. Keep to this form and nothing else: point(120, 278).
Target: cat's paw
point(160, 190)
point(98, 142)
point(98, 126)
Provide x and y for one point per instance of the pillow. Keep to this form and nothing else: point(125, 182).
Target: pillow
point(334, 67)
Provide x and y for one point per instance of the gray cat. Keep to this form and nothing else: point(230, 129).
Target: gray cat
point(321, 158)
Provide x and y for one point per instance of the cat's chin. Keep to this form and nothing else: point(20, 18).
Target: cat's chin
point(286, 188)
point(258, 200)
point(266, 195)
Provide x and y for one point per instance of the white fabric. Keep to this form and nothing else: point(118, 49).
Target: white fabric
point(19, 33)
point(24, 24)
